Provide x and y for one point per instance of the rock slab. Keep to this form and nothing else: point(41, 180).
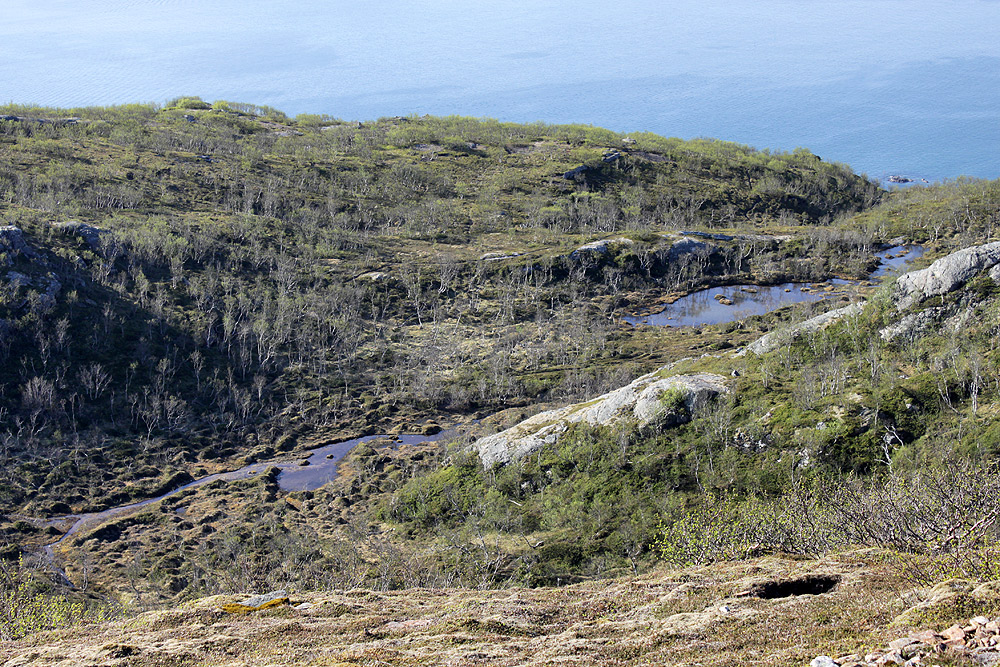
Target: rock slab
point(946, 274)
point(641, 400)
point(775, 339)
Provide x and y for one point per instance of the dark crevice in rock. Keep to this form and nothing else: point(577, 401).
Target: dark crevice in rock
point(812, 584)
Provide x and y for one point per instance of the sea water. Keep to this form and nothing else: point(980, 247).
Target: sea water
point(889, 87)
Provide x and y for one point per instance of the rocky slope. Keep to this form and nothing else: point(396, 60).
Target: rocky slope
point(946, 274)
point(187, 288)
point(775, 339)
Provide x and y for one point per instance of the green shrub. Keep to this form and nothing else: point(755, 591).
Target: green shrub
point(729, 528)
point(674, 401)
point(192, 102)
point(28, 604)
point(946, 517)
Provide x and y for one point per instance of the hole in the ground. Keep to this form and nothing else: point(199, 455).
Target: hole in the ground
point(811, 584)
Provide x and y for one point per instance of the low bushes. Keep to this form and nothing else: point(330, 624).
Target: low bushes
point(29, 603)
point(943, 522)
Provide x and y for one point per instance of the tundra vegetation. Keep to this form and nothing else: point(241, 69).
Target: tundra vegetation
point(191, 288)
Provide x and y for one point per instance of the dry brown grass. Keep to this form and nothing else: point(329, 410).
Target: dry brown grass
point(697, 616)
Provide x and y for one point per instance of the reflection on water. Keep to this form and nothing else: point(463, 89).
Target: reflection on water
point(294, 476)
point(729, 303)
point(709, 306)
point(700, 308)
point(895, 258)
point(323, 462)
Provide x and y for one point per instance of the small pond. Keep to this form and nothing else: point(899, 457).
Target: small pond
point(717, 305)
point(699, 308)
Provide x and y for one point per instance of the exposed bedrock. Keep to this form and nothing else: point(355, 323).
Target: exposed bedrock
point(946, 274)
point(650, 398)
point(775, 339)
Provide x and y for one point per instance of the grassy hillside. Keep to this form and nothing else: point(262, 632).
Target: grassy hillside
point(188, 289)
point(251, 281)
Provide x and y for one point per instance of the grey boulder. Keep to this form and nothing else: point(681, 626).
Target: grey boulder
point(775, 339)
point(641, 400)
point(946, 274)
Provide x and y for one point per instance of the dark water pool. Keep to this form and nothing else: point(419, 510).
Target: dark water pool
point(717, 305)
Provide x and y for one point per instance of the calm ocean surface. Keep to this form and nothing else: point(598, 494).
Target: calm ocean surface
point(889, 87)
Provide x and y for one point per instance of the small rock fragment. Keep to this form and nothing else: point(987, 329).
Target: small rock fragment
point(892, 658)
point(986, 659)
point(257, 603)
point(823, 661)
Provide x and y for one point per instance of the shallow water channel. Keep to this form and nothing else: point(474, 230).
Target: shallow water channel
point(294, 476)
point(717, 305)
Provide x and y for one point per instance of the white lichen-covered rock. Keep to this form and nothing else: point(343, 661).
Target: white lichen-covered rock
point(499, 256)
point(601, 247)
point(995, 273)
point(257, 600)
point(823, 661)
point(946, 274)
point(775, 339)
point(641, 400)
point(911, 325)
point(683, 247)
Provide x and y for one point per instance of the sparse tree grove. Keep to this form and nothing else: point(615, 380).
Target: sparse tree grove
point(191, 288)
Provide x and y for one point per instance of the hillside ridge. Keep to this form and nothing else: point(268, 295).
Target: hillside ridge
point(207, 287)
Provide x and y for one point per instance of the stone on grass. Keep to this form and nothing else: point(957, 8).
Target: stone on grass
point(912, 324)
point(257, 600)
point(986, 659)
point(775, 339)
point(12, 239)
point(602, 247)
point(90, 234)
point(988, 592)
point(258, 603)
point(823, 661)
point(995, 273)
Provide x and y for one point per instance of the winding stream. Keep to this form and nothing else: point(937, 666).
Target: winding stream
point(294, 476)
point(717, 305)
